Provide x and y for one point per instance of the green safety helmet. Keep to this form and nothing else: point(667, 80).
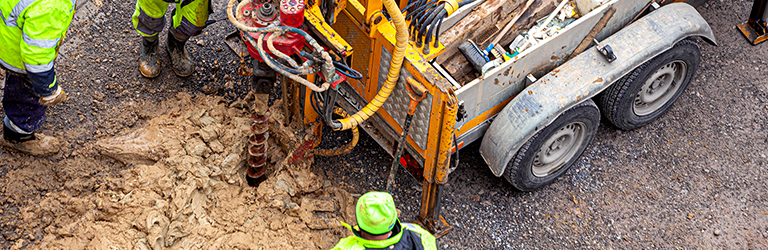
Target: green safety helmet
point(375, 212)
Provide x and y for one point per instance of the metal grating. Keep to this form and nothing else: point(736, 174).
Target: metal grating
point(397, 104)
point(359, 40)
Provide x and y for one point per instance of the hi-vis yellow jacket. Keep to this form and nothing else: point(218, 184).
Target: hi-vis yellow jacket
point(30, 34)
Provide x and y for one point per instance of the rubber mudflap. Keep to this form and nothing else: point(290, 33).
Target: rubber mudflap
point(473, 54)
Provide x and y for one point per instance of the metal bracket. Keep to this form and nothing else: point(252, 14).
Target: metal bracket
point(754, 29)
point(461, 114)
point(655, 5)
point(606, 51)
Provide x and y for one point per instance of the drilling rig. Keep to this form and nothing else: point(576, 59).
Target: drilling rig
point(528, 79)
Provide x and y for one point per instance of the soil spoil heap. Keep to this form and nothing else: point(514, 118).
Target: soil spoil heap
point(183, 187)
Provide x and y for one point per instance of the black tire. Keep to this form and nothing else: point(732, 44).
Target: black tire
point(530, 169)
point(633, 101)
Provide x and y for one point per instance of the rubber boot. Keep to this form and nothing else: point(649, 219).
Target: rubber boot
point(182, 64)
point(32, 144)
point(149, 61)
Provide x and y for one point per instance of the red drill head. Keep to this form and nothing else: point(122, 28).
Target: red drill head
point(292, 12)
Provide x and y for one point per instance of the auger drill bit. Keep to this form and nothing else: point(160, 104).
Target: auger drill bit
point(263, 80)
point(257, 149)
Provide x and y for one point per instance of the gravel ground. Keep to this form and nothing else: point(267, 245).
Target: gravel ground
point(692, 179)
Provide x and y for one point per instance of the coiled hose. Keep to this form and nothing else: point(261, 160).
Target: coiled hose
point(340, 150)
point(401, 40)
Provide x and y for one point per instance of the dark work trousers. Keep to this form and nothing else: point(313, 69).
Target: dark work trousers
point(20, 103)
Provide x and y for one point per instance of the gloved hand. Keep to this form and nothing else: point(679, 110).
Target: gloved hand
point(57, 97)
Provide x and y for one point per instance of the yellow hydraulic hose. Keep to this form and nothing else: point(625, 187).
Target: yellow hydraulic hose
point(340, 150)
point(401, 40)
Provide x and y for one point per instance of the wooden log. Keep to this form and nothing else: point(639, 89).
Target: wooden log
point(528, 21)
point(481, 21)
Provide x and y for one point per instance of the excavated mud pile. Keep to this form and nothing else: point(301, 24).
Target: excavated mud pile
point(183, 187)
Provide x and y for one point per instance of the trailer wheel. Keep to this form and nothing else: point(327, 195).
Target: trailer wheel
point(552, 150)
point(649, 90)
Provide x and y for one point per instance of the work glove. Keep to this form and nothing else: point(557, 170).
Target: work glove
point(57, 97)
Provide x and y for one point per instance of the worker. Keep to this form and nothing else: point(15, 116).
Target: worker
point(188, 19)
point(31, 32)
point(378, 227)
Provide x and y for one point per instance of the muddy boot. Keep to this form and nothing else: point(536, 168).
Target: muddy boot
point(32, 144)
point(149, 61)
point(182, 64)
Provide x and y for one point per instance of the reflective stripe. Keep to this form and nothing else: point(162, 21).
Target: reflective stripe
point(188, 28)
point(148, 25)
point(13, 127)
point(52, 83)
point(14, 69)
point(42, 43)
point(11, 21)
point(39, 68)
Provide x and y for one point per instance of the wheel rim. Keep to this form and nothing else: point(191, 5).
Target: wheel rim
point(660, 87)
point(559, 149)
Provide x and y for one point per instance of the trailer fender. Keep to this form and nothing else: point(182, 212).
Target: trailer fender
point(585, 76)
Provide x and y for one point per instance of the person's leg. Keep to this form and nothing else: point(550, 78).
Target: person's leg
point(149, 20)
point(21, 105)
point(188, 21)
point(23, 115)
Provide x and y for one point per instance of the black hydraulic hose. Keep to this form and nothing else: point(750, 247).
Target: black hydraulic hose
point(422, 4)
point(420, 9)
point(423, 13)
point(437, 32)
point(347, 71)
point(419, 19)
point(340, 66)
point(410, 4)
point(413, 27)
point(465, 2)
point(424, 20)
point(428, 21)
point(456, 146)
point(326, 96)
point(436, 12)
point(417, 15)
point(329, 106)
point(313, 103)
point(434, 23)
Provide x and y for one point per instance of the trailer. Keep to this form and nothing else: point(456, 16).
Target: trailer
point(528, 79)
